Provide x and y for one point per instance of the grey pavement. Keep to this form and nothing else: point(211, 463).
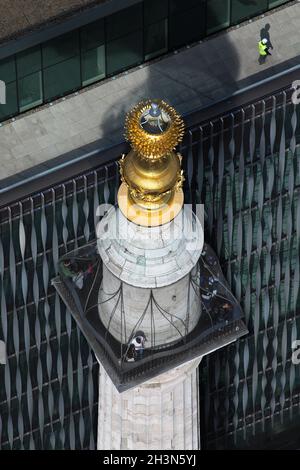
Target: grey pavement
point(192, 78)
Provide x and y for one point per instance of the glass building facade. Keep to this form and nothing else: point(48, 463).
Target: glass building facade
point(113, 44)
point(49, 386)
point(250, 185)
point(244, 166)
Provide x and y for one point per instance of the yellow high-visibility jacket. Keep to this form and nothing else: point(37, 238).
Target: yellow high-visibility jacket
point(262, 48)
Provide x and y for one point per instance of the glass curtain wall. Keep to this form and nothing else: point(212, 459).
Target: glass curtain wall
point(93, 65)
point(242, 9)
point(8, 75)
point(218, 15)
point(155, 28)
point(111, 45)
point(49, 385)
point(61, 62)
point(29, 71)
point(124, 39)
point(186, 21)
point(246, 172)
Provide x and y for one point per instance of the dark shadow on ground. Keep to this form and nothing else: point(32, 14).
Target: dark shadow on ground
point(265, 34)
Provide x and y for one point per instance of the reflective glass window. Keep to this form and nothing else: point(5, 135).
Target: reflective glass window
point(93, 65)
point(8, 75)
point(218, 15)
point(61, 48)
point(187, 25)
point(124, 22)
point(93, 52)
point(29, 61)
point(242, 9)
point(30, 91)
point(62, 78)
point(92, 35)
point(155, 10)
point(61, 61)
point(276, 3)
point(125, 52)
point(155, 28)
point(11, 107)
point(181, 5)
point(156, 39)
point(8, 70)
point(29, 74)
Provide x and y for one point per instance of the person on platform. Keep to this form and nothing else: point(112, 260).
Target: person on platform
point(131, 353)
point(139, 344)
point(66, 268)
point(70, 269)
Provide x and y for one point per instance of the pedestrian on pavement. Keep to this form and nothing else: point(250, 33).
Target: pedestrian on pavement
point(263, 50)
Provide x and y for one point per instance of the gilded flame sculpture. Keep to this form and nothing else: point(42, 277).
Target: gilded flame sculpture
point(151, 190)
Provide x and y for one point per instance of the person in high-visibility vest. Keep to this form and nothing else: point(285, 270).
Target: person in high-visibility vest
point(263, 50)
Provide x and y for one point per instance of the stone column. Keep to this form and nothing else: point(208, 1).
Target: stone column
point(162, 413)
point(151, 263)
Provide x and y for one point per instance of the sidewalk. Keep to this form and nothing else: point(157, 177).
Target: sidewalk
point(193, 78)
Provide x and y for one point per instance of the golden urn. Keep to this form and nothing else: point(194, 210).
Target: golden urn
point(151, 190)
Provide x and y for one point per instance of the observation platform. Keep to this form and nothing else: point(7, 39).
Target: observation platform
point(220, 322)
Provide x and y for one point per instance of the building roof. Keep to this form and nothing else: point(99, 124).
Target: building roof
point(20, 16)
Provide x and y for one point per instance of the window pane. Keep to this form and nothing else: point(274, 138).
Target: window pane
point(29, 61)
point(124, 52)
point(124, 22)
point(8, 70)
point(155, 10)
point(275, 3)
point(187, 26)
point(93, 65)
point(11, 107)
point(92, 35)
point(30, 91)
point(242, 9)
point(218, 15)
point(181, 5)
point(61, 48)
point(156, 39)
point(62, 78)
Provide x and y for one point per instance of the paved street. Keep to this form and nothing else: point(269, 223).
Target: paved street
point(192, 78)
